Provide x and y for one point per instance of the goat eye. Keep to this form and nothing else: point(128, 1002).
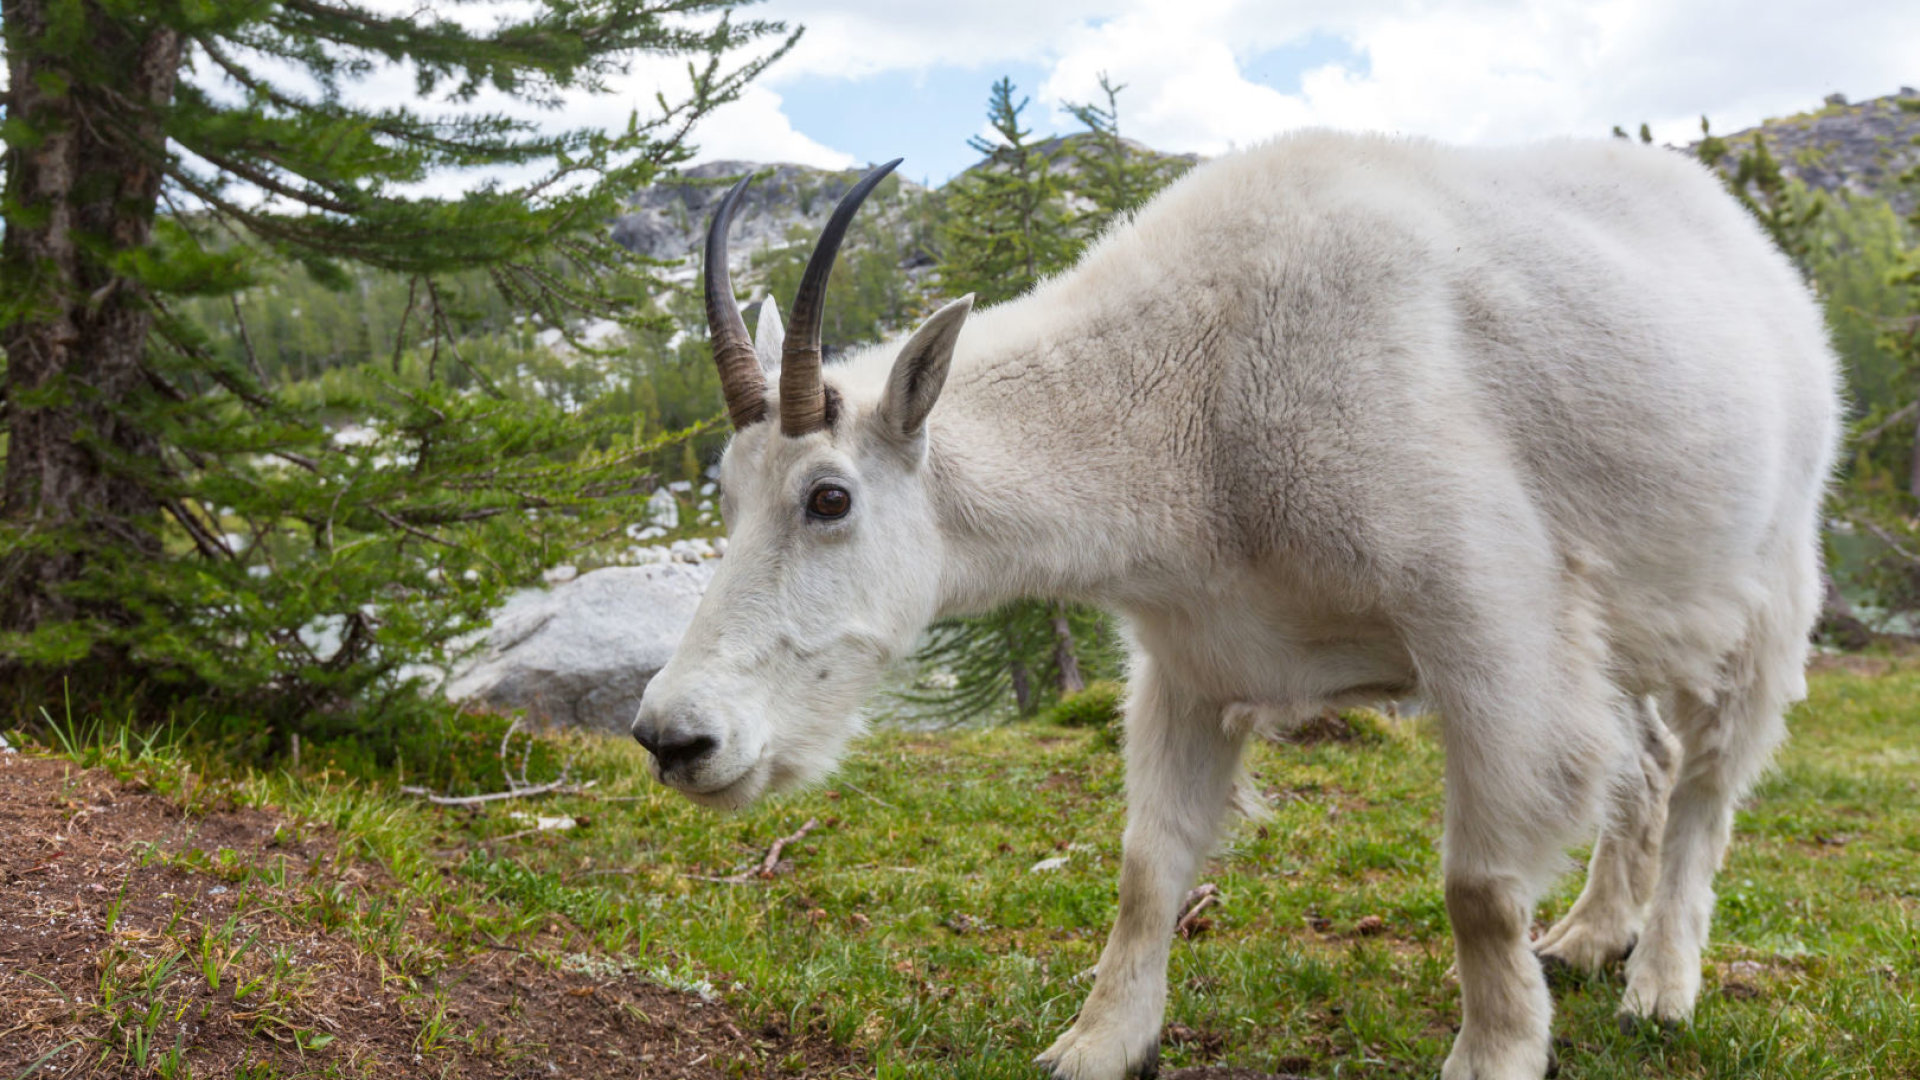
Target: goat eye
point(829, 501)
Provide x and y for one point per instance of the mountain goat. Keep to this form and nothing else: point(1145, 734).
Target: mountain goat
point(1540, 434)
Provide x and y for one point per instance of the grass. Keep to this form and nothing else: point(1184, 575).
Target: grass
point(913, 924)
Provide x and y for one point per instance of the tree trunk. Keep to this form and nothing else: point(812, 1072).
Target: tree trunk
point(83, 192)
point(1066, 662)
point(1022, 688)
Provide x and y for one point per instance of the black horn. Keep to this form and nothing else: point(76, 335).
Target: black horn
point(740, 380)
point(803, 397)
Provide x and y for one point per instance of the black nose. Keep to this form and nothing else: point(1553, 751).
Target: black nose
point(671, 750)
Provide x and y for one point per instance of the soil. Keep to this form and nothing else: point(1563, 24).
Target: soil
point(90, 915)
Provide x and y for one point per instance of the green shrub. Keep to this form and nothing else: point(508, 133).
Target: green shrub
point(1098, 707)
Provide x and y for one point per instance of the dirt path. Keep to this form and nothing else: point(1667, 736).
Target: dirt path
point(139, 941)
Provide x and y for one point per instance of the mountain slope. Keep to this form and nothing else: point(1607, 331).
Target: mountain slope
point(1859, 148)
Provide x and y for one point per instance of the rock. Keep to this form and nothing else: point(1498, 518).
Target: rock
point(1859, 148)
point(580, 654)
point(669, 220)
point(663, 511)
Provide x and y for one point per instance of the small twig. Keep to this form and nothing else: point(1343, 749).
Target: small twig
point(765, 870)
point(1199, 899)
point(506, 739)
point(562, 786)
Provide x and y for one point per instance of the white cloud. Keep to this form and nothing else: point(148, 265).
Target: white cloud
point(1470, 71)
point(753, 128)
point(1458, 70)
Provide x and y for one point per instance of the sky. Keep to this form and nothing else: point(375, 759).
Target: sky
point(875, 79)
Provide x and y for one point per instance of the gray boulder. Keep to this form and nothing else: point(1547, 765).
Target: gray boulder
point(581, 653)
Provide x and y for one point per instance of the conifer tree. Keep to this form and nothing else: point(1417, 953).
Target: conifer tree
point(1113, 176)
point(173, 526)
point(1785, 208)
point(1006, 218)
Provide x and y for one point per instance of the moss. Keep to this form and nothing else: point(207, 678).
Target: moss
point(1097, 707)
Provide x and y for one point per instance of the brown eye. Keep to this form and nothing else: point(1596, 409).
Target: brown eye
point(829, 501)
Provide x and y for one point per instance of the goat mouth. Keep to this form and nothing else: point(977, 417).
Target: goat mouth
point(734, 794)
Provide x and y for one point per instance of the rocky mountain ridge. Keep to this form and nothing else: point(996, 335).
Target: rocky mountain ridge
point(1855, 148)
point(1851, 147)
point(668, 220)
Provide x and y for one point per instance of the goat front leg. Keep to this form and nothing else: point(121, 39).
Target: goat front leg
point(1533, 732)
point(1181, 768)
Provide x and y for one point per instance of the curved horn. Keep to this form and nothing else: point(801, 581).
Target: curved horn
point(803, 397)
point(740, 380)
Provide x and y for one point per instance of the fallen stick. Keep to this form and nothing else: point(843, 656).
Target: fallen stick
point(565, 787)
point(765, 870)
point(1199, 899)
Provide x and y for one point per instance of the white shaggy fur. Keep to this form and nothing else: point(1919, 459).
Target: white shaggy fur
point(1540, 433)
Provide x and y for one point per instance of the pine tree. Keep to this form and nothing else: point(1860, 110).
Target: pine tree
point(174, 526)
point(1006, 222)
point(1785, 208)
point(1113, 176)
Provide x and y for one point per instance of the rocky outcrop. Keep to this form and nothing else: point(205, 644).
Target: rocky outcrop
point(1859, 148)
point(581, 653)
point(668, 220)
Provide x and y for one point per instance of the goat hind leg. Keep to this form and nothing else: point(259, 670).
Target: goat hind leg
point(1605, 922)
point(1726, 745)
point(1181, 767)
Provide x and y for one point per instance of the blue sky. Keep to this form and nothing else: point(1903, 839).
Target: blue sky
point(923, 116)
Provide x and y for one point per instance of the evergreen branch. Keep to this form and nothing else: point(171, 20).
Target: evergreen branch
point(264, 180)
point(397, 522)
point(1898, 416)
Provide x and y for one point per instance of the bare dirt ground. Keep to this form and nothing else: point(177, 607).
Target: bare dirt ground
point(122, 954)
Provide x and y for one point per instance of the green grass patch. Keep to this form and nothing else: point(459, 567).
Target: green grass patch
point(929, 920)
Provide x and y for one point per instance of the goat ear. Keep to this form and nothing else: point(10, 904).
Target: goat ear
point(768, 336)
point(921, 370)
